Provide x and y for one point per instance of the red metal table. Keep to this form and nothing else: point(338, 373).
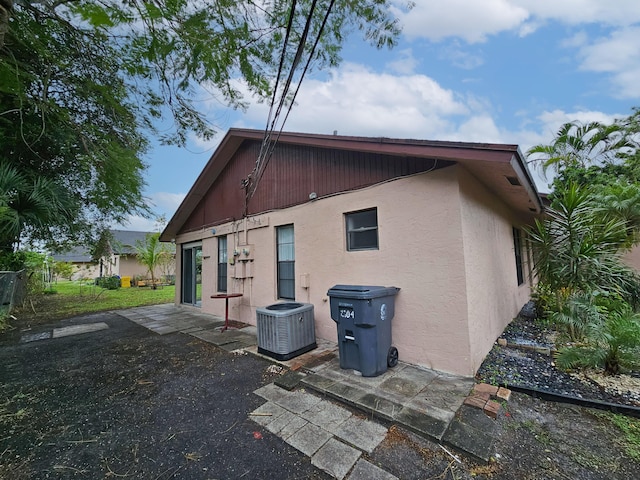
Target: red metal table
point(226, 297)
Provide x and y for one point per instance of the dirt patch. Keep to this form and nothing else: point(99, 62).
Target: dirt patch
point(535, 439)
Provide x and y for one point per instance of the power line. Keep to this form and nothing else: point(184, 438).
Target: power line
point(268, 145)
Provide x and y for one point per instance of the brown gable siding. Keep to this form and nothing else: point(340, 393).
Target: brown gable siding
point(225, 199)
point(294, 172)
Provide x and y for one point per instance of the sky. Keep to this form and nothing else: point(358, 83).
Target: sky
point(496, 71)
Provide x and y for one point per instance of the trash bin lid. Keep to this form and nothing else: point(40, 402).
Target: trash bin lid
point(361, 291)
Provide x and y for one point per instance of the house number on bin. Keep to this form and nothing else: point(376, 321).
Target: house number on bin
point(347, 313)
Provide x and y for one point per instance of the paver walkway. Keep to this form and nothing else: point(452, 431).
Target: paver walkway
point(331, 435)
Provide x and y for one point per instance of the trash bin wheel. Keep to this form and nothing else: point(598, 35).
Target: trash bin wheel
point(392, 357)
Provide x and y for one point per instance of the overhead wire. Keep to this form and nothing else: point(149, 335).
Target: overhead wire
point(306, 67)
point(268, 145)
point(283, 55)
point(271, 123)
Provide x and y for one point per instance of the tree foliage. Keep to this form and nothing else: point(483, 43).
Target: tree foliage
point(612, 343)
point(83, 84)
point(576, 249)
point(578, 145)
point(590, 294)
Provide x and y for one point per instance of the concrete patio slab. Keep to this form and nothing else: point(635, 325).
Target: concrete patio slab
point(362, 434)
point(308, 439)
point(368, 471)
point(421, 400)
point(336, 458)
point(288, 422)
point(297, 401)
point(78, 329)
point(326, 415)
point(267, 413)
point(422, 424)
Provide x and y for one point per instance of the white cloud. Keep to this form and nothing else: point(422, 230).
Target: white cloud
point(357, 101)
point(162, 204)
point(405, 63)
point(474, 20)
point(460, 57)
point(574, 12)
point(553, 120)
point(619, 55)
point(577, 40)
point(468, 19)
point(166, 201)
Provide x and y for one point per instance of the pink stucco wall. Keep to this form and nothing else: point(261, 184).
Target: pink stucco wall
point(493, 294)
point(128, 266)
point(425, 223)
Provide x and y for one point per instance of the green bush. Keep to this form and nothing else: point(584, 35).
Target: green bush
point(576, 315)
point(110, 283)
point(611, 343)
point(13, 261)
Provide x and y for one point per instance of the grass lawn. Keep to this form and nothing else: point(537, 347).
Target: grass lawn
point(74, 298)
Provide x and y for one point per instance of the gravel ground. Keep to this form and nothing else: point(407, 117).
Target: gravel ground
point(520, 367)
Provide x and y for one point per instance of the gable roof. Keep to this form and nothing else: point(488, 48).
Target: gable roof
point(123, 243)
point(501, 168)
point(74, 255)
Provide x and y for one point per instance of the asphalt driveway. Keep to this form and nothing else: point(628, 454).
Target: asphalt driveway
point(124, 402)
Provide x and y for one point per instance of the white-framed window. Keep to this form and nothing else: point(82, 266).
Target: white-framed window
point(362, 230)
point(222, 264)
point(286, 262)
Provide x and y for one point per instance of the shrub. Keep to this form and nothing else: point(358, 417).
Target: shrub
point(612, 344)
point(576, 314)
point(110, 283)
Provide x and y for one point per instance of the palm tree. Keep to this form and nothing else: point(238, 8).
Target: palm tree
point(29, 203)
point(151, 253)
point(582, 145)
point(622, 202)
point(612, 344)
point(575, 249)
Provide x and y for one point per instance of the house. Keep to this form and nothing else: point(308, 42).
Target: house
point(122, 262)
point(440, 220)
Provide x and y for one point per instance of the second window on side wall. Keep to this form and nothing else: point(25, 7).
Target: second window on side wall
point(362, 230)
point(517, 248)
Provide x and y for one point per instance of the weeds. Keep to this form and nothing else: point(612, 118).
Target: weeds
point(540, 433)
point(630, 429)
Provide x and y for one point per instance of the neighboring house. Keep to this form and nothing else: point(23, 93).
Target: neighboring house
point(440, 220)
point(122, 262)
point(83, 264)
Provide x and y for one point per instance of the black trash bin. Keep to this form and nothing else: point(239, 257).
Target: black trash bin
point(363, 315)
